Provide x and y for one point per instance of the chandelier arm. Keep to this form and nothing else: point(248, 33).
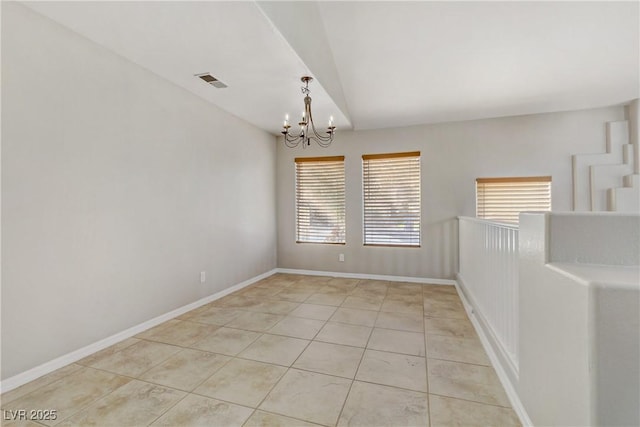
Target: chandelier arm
point(318, 137)
point(291, 141)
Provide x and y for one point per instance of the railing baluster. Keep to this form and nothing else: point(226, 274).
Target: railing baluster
point(489, 265)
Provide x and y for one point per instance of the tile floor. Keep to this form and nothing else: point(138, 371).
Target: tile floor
point(288, 351)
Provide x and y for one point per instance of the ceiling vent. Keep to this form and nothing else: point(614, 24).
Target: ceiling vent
point(211, 80)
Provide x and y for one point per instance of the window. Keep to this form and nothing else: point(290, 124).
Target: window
point(320, 200)
point(502, 199)
point(391, 190)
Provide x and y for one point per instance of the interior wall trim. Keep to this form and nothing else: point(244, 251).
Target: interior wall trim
point(368, 276)
point(59, 362)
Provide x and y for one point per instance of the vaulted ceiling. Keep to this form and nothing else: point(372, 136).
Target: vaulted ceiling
point(376, 64)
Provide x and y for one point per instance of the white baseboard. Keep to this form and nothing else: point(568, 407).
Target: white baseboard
point(496, 361)
point(74, 356)
point(368, 276)
point(59, 362)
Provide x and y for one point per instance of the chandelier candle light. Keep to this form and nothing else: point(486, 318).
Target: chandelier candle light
point(307, 128)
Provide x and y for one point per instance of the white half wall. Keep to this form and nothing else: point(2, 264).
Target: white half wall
point(118, 189)
point(579, 319)
point(453, 156)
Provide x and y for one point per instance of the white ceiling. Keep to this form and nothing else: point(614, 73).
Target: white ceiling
point(377, 64)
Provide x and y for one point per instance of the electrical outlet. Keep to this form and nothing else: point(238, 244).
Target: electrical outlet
point(203, 276)
point(341, 257)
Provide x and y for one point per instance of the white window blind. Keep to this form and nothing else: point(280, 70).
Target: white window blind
point(391, 190)
point(320, 213)
point(502, 199)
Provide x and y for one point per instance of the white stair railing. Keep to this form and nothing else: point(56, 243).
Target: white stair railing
point(488, 276)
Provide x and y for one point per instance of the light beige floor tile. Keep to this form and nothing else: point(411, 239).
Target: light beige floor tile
point(331, 359)
point(406, 296)
point(363, 292)
point(69, 394)
point(282, 282)
point(467, 350)
point(303, 286)
point(454, 412)
point(399, 306)
point(136, 403)
point(238, 301)
point(102, 354)
point(441, 295)
point(253, 321)
point(227, 341)
point(275, 349)
point(314, 311)
point(297, 327)
point(266, 419)
point(437, 292)
point(315, 281)
point(277, 307)
point(293, 277)
point(272, 284)
point(202, 411)
point(414, 288)
point(308, 396)
point(293, 294)
point(197, 311)
point(403, 321)
point(461, 328)
point(155, 329)
point(137, 358)
point(186, 369)
point(363, 303)
point(441, 298)
point(336, 290)
point(273, 288)
point(326, 299)
point(17, 422)
point(397, 341)
point(259, 292)
point(37, 383)
point(343, 282)
point(355, 316)
point(379, 286)
point(465, 381)
point(244, 382)
point(213, 315)
point(447, 309)
point(343, 333)
point(179, 332)
point(371, 405)
point(398, 370)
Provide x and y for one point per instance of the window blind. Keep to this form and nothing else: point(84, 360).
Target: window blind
point(502, 199)
point(320, 200)
point(391, 192)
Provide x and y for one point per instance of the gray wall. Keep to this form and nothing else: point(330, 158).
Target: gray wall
point(118, 188)
point(453, 156)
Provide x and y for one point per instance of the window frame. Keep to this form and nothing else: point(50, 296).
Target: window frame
point(297, 199)
point(368, 239)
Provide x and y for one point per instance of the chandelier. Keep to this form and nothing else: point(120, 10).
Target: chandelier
point(307, 128)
